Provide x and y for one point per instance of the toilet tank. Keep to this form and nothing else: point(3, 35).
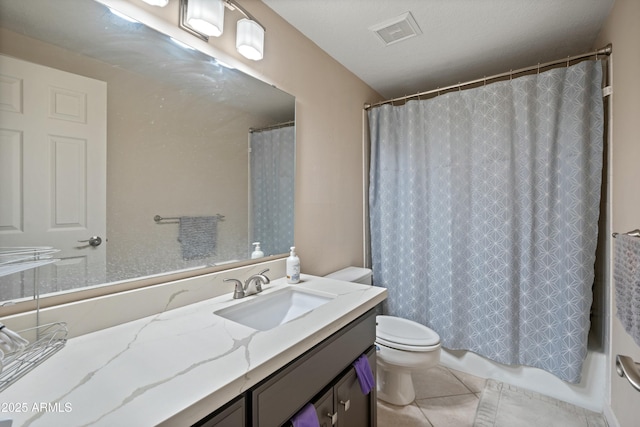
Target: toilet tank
point(352, 274)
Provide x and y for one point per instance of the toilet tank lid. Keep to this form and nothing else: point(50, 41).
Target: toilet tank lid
point(404, 331)
point(351, 274)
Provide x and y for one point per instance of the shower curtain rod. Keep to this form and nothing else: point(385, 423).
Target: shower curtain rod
point(272, 127)
point(606, 51)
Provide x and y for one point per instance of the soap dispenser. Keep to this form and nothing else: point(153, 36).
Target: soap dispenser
point(293, 266)
point(257, 252)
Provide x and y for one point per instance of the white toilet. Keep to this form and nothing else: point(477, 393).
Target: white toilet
point(404, 346)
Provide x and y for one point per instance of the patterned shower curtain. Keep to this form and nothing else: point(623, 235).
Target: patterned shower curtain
point(272, 161)
point(484, 207)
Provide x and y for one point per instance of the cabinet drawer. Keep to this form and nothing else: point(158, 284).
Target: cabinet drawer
point(230, 415)
point(278, 398)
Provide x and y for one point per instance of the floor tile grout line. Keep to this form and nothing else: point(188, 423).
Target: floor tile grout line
point(451, 379)
point(415, 403)
point(445, 395)
point(431, 423)
point(460, 379)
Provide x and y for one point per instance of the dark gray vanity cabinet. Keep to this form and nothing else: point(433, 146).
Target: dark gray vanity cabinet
point(325, 368)
point(233, 414)
point(354, 408)
point(323, 376)
point(344, 405)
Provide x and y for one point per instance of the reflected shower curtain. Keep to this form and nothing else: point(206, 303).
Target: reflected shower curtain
point(272, 166)
point(484, 207)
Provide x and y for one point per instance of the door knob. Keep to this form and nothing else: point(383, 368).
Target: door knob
point(93, 241)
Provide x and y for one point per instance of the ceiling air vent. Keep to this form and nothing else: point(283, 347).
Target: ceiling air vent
point(397, 29)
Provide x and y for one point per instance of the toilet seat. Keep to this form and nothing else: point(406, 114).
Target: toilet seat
point(404, 334)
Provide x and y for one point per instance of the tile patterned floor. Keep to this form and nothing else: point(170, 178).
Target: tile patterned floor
point(444, 398)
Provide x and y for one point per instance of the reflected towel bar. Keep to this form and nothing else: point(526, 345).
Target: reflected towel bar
point(632, 233)
point(176, 219)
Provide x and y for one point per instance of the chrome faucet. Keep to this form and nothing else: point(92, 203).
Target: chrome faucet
point(253, 285)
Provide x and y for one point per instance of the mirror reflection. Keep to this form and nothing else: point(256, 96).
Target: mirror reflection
point(132, 155)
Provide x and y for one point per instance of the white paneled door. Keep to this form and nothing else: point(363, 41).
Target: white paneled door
point(53, 136)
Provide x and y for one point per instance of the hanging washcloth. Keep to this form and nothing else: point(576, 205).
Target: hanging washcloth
point(626, 274)
point(197, 236)
point(306, 417)
point(364, 374)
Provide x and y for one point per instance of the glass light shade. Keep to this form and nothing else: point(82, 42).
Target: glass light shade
point(206, 16)
point(250, 39)
point(160, 3)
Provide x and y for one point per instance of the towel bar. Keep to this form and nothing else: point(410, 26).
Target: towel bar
point(176, 219)
point(632, 233)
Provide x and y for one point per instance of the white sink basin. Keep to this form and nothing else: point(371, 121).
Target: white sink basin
point(266, 311)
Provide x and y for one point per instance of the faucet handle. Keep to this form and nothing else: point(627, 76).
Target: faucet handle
point(267, 281)
point(261, 279)
point(239, 291)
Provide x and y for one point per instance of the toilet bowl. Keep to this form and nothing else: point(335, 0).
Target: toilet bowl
point(403, 347)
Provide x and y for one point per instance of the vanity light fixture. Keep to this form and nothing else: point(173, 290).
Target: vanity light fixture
point(205, 18)
point(250, 39)
point(159, 3)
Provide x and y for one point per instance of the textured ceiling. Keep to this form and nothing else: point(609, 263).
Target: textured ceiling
point(461, 40)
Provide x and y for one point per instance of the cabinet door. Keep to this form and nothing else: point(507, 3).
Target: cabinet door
point(325, 410)
point(279, 397)
point(354, 408)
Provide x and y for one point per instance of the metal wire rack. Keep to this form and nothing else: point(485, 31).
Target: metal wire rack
point(16, 259)
point(45, 340)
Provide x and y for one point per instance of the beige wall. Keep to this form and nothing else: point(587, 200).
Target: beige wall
point(622, 30)
point(329, 135)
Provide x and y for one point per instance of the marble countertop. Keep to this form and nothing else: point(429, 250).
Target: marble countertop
point(175, 367)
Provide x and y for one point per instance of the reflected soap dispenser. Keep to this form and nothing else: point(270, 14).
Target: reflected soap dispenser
point(293, 266)
point(257, 252)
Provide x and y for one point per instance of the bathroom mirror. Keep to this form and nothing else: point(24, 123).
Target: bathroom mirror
point(173, 166)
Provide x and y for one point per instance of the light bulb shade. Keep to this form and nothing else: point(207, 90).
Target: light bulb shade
point(160, 3)
point(206, 16)
point(250, 39)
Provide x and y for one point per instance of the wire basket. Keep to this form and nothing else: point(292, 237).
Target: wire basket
point(45, 340)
